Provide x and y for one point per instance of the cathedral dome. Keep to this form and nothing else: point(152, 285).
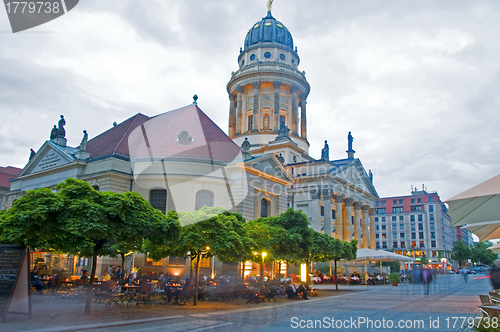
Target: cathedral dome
point(269, 30)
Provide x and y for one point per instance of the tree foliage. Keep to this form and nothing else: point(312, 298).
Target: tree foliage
point(481, 254)
point(460, 252)
point(80, 220)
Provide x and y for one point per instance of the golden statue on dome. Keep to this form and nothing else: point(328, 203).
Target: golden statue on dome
point(269, 5)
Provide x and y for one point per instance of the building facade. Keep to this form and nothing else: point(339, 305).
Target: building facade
point(7, 175)
point(413, 225)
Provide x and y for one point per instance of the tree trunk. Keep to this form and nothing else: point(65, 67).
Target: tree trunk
point(191, 268)
point(336, 280)
point(279, 270)
point(91, 284)
point(195, 300)
point(123, 266)
point(243, 273)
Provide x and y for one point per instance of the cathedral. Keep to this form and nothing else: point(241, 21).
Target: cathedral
point(181, 160)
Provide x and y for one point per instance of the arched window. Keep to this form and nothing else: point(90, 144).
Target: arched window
point(264, 207)
point(96, 187)
point(158, 199)
point(204, 198)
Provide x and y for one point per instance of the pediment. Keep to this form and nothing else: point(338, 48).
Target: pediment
point(356, 175)
point(270, 166)
point(47, 157)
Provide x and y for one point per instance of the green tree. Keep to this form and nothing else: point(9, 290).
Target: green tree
point(481, 254)
point(343, 250)
point(460, 252)
point(80, 220)
point(424, 258)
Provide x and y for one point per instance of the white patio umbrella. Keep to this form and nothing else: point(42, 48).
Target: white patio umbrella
point(495, 248)
point(485, 231)
point(478, 204)
point(364, 255)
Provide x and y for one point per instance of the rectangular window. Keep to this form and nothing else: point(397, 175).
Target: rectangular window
point(377, 203)
point(413, 236)
point(383, 227)
point(376, 219)
point(402, 235)
point(416, 208)
point(383, 219)
point(205, 262)
point(398, 209)
point(394, 244)
point(378, 245)
point(432, 226)
point(422, 244)
point(431, 216)
point(401, 227)
point(394, 218)
point(150, 262)
point(401, 218)
point(412, 217)
point(433, 244)
point(176, 261)
point(394, 227)
point(158, 199)
point(420, 227)
point(431, 199)
point(400, 202)
point(394, 235)
point(394, 202)
point(384, 235)
point(403, 245)
point(376, 227)
point(377, 236)
point(380, 211)
point(322, 211)
point(412, 227)
point(333, 214)
point(431, 208)
point(433, 235)
point(250, 122)
point(420, 218)
point(419, 200)
point(383, 203)
point(420, 235)
point(384, 245)
point(413, 201)
point(413, 244)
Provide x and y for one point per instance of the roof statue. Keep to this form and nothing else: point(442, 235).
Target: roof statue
point(245, 146)
point(61, 133)
point(195, 98)
point(280, 158)
point(269, 5)
point(83, 143)
point(350, 151)
point(32, 154)
point(54, 132)
point(325, 152)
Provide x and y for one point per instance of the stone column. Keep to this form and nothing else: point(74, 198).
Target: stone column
point(315, 210)
point(276, 86)
point(348, 218)
point(365, 221)
point(339, 230)
point(256, 86)
point(372, 229)
point(327, 196)
point(295, 110)
point(303, 122)
point(357, 222)
point(239, 112)
point(232, 116)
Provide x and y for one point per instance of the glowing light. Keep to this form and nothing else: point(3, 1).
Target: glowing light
point(303, 273)
point(264, 254)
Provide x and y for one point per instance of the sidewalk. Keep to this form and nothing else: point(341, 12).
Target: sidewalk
point(56, 314)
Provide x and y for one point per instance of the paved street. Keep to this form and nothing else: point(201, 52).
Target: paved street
point(408, 305)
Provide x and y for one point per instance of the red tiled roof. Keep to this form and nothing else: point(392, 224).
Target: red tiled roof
point(158, 137)
point(7, 173)
point(115, 140)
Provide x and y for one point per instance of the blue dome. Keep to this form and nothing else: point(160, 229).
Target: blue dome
point(268, 30)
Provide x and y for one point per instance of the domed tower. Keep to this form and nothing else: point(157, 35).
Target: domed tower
point(268, 89)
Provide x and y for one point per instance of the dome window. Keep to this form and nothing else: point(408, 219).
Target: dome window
point(293, 60)
point(256, 26)
point(252, 57)
point(268, 24)
point(267, 55)
point(279, 25)
point(282, 57)
point(184, 137)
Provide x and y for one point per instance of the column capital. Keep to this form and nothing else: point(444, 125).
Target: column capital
point(357, 205)
point(315, 194)
point(339, 198)
point(294, 89)
point(239, 89)
point(327, 193)
point(256, 85)
point(371, 211)
point(348, 201)
point(232, 97)
point(276, 84)
point(365, 208)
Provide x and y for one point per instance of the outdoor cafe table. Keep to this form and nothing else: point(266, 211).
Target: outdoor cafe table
point(130, 291)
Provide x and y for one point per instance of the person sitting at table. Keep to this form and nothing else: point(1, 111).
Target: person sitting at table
point(201, 287)
point(130, 280)
point(85, 276)
point(292, 291)
point(183, 291)
point(35, 280)
point(106, 276)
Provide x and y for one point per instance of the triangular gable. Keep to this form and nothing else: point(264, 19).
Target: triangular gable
point(355, 174)
point(269, 165)
point(49, 156)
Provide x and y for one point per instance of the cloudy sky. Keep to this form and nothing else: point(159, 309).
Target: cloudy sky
point(417, 82)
